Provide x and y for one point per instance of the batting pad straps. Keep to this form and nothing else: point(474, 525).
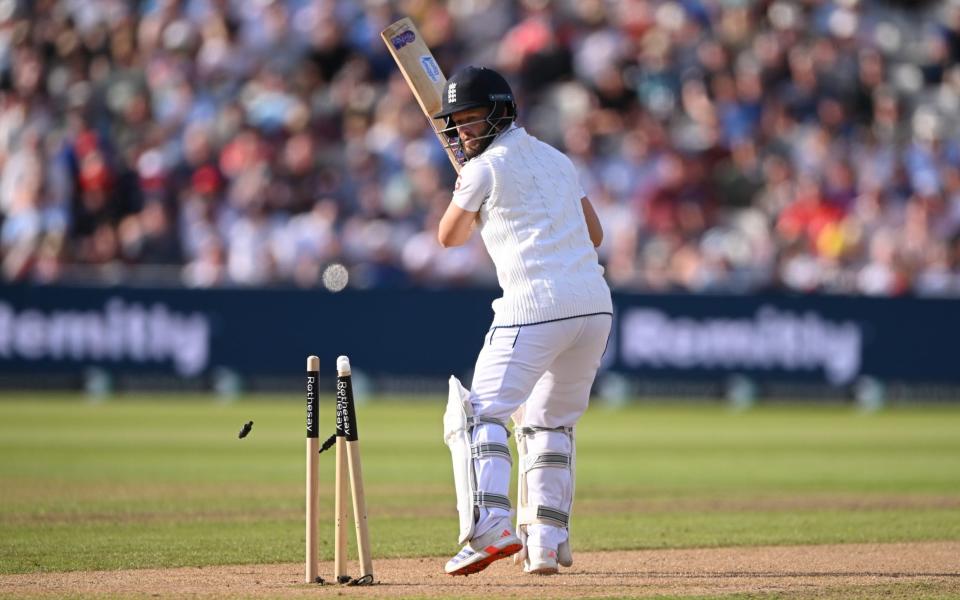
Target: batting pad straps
point(474, 421)
point(491, 450)
point(557, 460)
point(491, 500)
point(533, 429)
point(543, 515)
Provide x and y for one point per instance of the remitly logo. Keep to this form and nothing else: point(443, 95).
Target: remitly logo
point(402, 39)
point(120, 331)
point(452, 93)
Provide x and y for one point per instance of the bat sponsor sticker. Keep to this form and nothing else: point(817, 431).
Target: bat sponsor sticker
point(402, 39)
point(431, 68)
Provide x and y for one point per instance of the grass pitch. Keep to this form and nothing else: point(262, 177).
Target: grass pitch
point(164, 480)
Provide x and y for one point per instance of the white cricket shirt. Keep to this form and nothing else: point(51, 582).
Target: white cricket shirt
point(532, 223)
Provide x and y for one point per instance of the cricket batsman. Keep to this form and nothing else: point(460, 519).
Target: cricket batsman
point(549, 330)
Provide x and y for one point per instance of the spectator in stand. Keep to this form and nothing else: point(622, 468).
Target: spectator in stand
point(811, 146)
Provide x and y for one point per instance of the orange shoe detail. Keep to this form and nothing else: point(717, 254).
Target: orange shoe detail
point(496, 554)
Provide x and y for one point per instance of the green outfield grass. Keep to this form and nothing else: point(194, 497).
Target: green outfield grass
point(164, 481)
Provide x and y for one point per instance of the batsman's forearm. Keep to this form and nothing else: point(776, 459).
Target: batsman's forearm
point(593, 222)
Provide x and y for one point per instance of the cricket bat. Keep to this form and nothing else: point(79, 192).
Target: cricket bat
point(423, 75)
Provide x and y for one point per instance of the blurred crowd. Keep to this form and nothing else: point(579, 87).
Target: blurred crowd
point(728, 145)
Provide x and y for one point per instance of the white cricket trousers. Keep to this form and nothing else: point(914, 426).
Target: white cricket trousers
point(549, 368)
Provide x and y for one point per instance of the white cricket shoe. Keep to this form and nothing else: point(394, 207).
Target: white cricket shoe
point(540, 561)
point(482, 551)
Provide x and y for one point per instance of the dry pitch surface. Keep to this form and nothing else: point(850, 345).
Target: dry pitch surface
point(899, 570)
